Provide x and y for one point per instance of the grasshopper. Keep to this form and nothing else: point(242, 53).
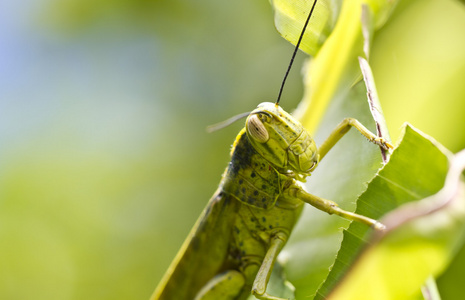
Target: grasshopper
point(231, 251)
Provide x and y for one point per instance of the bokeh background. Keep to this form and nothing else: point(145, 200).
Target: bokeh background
point(104, 159)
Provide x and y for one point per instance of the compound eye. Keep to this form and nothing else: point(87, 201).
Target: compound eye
point(264, 117)
point(257, 130)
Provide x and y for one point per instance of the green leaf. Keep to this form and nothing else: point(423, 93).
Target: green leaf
point(290, 16)
point(421, 237)
point(329, 78)
point(306, 264)
point(416, 170)
point(334, 68)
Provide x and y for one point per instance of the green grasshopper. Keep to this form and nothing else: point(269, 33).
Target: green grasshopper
point(231, 251)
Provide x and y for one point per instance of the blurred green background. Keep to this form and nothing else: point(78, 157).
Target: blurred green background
point(105, 162)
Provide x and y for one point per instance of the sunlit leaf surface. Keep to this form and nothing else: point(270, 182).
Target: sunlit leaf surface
point(421, 237)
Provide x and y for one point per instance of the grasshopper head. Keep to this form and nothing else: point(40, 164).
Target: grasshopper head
point(281, 140)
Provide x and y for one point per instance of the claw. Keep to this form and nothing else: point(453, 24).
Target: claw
point(382, 143)
point(379, 226)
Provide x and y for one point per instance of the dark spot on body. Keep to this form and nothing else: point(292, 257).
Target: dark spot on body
point(263, 186)
point(253, 175)
point(255, 193)
point(241, 181)
point(242, 154)
point(263, 219)
point(263, 199)
point(243, 190)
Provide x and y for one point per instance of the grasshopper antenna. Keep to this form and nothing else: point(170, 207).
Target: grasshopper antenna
point(233, 119)
point(226, 123)
point(295, 52)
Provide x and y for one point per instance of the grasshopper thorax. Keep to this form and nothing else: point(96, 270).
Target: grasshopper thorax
point(281, 140)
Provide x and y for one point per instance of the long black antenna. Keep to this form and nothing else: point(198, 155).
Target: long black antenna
point(295, 52)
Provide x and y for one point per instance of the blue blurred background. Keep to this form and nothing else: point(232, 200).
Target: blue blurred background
point(105, 162)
